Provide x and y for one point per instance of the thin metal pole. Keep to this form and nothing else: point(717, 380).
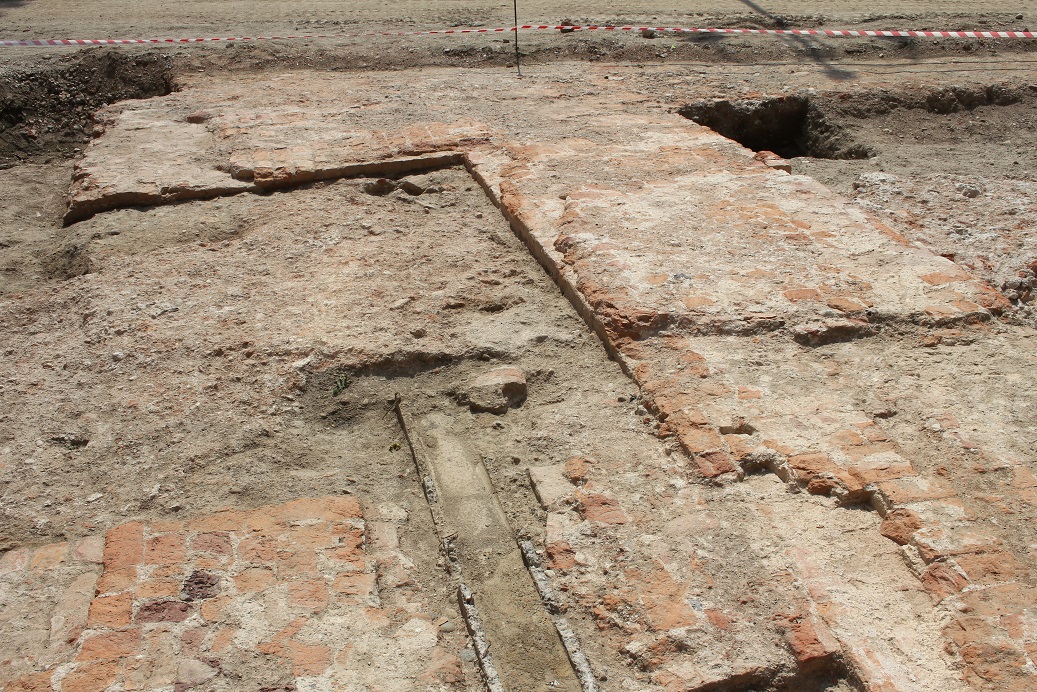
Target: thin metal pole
point(518, 66)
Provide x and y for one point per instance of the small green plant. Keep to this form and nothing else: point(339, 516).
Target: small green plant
point(342, 383)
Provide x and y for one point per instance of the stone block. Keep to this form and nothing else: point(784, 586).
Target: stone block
point(551, 487)
point(934, 542)
point(496, 391)
point(811, 642)
point(902, 491)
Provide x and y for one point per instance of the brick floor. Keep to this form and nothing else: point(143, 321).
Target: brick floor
point(279, 596)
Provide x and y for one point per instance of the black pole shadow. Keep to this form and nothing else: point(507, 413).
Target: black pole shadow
point(808, 44)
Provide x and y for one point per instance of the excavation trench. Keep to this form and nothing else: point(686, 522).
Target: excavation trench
point(49, 112)
point(790, 126)
point(835, 125)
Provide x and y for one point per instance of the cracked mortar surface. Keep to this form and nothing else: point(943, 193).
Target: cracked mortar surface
point(809, 465)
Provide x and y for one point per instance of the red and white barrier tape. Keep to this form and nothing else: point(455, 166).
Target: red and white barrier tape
point(835, 33)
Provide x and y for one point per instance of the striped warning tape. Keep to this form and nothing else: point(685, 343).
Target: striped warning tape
point(835, 33)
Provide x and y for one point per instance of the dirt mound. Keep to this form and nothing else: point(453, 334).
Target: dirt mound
point(48, 112)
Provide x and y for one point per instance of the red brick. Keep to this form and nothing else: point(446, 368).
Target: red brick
point(224, 640)
point(695, 302)
point(997, 666)
point(215, 542)
point(254, 579)
point(359, 584)
point(117, 580)
point(996, 601)
point(600, 508)
point(844, 304)
point(167, 549)
point(939, 278)
point(262, 549)
point(303, 562)
point(191, 641)
point(560, 555)
point(934, 542)
point(746, 393)
point(164, 611)
point(307, 659)
point(715, 463)
point(576, 469)
point(91, 677)
point(740, 447)
point(883, 467)
point(309, 594)
point(941, 579)
point(212, 609)
point(812, 643)
point(207, 562)
point(111, 611)
point(333, 508)
point(807, 466)
point(124, 546)
point(698, 439)
point(349, 535)
point(312, 537)
point(32, 682)
point(778, 447)
point(276, 644)
point(718, 619)
point(848, 438)
point(173, 570)
point(110, 645)
point(663, 599)
point(159, 588)
point(685, 416)
point(899, 525)
point(823, 485)
point(987, 568)
point(223, 520)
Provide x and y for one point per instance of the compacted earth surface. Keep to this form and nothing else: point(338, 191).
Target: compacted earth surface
point(674, 363)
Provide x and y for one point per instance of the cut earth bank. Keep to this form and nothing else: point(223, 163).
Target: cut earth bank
point(807, 465)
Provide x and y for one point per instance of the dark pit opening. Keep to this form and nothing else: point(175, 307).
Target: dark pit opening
point(48, 113)
point(790, 126)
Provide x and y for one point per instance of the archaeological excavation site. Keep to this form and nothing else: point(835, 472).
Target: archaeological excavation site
point(603, 361)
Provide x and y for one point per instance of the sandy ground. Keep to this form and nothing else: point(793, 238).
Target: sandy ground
point(132, 18)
